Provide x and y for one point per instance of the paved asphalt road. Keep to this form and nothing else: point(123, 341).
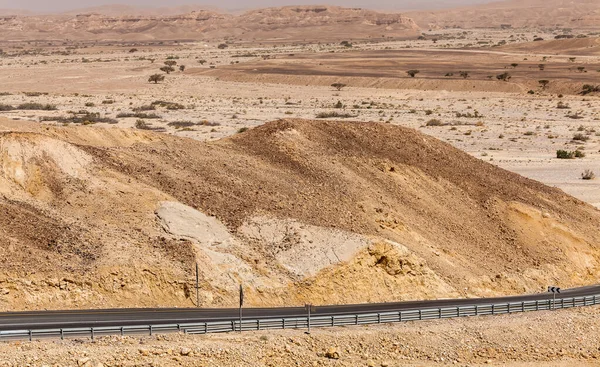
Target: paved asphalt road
point(36, 320)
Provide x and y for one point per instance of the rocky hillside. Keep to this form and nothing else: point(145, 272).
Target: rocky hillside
point(297, 210)
point(316, 23)
point(516, 13)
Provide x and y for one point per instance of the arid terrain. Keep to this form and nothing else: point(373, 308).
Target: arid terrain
point(298, 164)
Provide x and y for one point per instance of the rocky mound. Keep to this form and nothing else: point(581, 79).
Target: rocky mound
point(296, 210)
point(287, 23)
point(515, 13)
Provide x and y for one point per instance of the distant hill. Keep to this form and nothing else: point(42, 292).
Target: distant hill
point(517, 13)
point(317, 23)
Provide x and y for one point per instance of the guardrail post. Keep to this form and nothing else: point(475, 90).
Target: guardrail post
point(420, 315)
point(283, 323)
point(399, 316)
point(233, 325)
point(439, 313)
point(356, 319)
point(332, 321)
point(508, 307)
point(562, 303)
point(493, 309)
point(122, 331)
point(457, 311)
point(378, 318)
point(206, 328)
point(594, 299)
point(523, 306)
point(537, 305)
point(92, 333)
point(258, 324)
point(150, 328)
point(62, 336)
point(30, 335)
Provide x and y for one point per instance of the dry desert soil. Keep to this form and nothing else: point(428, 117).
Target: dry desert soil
point(246, 160)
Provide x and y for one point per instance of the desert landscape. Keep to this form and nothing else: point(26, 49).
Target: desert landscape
point(316, 154)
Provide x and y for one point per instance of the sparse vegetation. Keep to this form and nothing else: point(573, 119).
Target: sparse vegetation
point(412, 73)
point(168, 105)
point(84, 118)
point(338, 86)
point(434, 122)
point(504, 77)
point(36, 106)
point(155, 78)
point(588, 175)
point(334, 114)
point(167, 69)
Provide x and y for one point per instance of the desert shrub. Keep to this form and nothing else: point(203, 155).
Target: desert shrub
point(562, 105)
point(504, 77)
point(434, 122)
point(140, 115)
point(90, 104)
point(469, 115)
point(242, 130)
point(412, 73)
point(222, 46)
point(155, 78)
point(339, 104)
point(184, 124)
point(563, 154)
point(333, 114)
point(338, 86)
point(145, 108)
point(6, 107)
point(167, 69)
point(581, 137)
point(85, 118)
point(588, 175)
point(168, 105)
point(34, 94)
point(36, 106)
point(588, 88)
point(108, 101)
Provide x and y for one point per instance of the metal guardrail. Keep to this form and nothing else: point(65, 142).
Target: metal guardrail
point(302, 322)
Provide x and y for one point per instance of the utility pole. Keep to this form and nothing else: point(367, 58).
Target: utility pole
point(197, 287)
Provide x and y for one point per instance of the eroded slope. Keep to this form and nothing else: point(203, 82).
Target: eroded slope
point(297, 210)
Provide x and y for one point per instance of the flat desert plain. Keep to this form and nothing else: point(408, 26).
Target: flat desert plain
point(517, 123)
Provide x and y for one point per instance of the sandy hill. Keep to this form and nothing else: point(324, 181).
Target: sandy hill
point(589, 46)
point(116, 10)
point(297, 210)
point(316, 23)
point(517, 13)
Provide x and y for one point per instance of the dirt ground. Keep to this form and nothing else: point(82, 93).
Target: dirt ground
point(223, 92)
point(558, 338)
point(250, 85)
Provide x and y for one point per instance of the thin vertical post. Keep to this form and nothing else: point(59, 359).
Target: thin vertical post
point(309, 307)
point(197, 288)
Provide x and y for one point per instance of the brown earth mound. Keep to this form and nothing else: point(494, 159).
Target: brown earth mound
point(425, 220)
